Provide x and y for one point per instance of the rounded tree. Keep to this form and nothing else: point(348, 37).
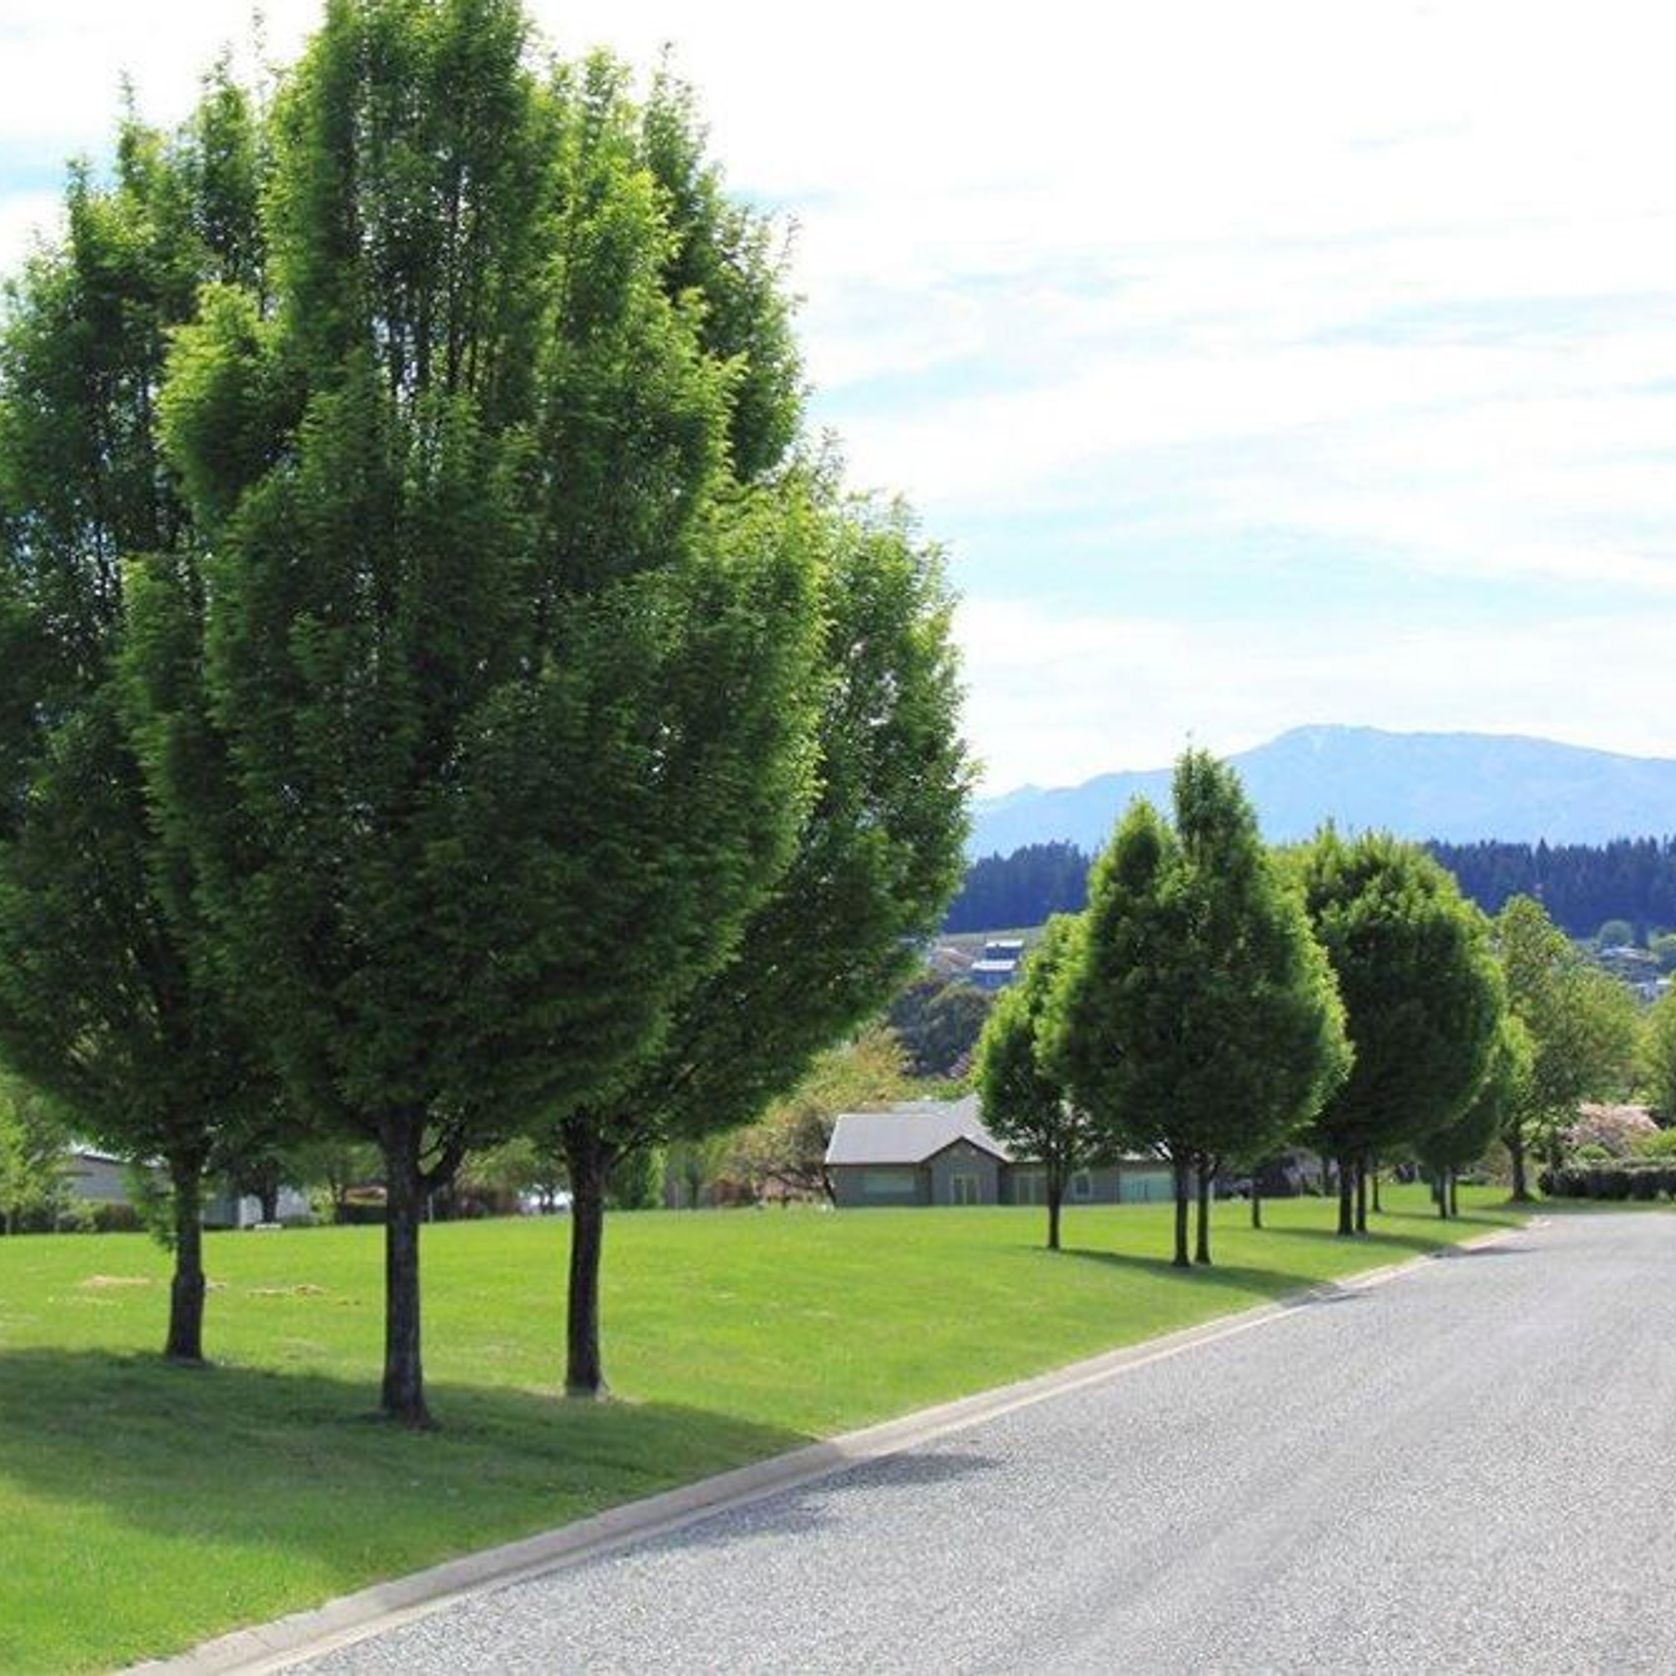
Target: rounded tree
point(1423, 999)
point(1460, 1144)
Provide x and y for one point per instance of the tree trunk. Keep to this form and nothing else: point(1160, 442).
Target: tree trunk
point(1454, 1193)
point(1182, 1189)
point(590, 1164)
point(1201, 1251)
point(1055, 1198)
point(1374, 1169)
point(1516, 1151)
point(1256, 1202)
point(403, 1395)
point(270, 1202)
point(1361, 1168)
point(1440, 1192)
point(186, 1288)
point(1346, 1190)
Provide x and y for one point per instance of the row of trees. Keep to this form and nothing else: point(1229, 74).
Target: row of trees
point(1218, 1002)
point(1583, 886)
point(439, 697)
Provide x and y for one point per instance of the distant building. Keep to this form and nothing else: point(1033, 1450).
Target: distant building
point(936, 1152)
point(997, 966)
point(99, 1178)
point(102, 1178)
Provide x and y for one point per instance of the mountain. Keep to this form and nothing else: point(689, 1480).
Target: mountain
point(1457, 787)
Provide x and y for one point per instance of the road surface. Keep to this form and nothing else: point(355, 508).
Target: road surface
point(1472, 1468)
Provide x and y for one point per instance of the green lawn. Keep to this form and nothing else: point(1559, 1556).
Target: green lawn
point(143, 1508)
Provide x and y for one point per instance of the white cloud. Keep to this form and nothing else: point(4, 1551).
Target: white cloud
point(1055, 699)
point(1384, 278)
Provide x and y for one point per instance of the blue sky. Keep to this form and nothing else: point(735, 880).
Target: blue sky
point(1257, 366)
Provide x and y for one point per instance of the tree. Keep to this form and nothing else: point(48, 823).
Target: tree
point(1460, 1144)
point(1658, 1057)
point(109, 1000)
point(1422, 997)
point(786, 1146)
point(1200, 1016)
point(938, 1022)
point(33, 1146)
point(1025, 1104)
point(1582, 1025)
point(875, 858)
point(481, 699)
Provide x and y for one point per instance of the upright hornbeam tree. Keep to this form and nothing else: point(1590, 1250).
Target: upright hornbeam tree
point(1199, 1016)
point(485, 698)
point(1423, 998)
point(877, 856)
point(1505, 1085)
point(1025, 1103)
point(109, 995)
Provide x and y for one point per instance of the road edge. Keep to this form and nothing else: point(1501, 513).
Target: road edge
point(263, 1648)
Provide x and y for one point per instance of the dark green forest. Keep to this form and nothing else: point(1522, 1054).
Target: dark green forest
point(1581, 885)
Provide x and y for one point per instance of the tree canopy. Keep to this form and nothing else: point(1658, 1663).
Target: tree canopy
point(1200, 1017)
point(484, 700)
point(1025, 1102)
point(1422, 996)
point(110, 998)
point(1583, 1028)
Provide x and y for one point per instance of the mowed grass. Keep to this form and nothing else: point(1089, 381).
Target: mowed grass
point(143, 1507)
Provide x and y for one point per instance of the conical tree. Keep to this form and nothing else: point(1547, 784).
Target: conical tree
point(486, 700)
point(1025, 1104)
point(1200, 1019)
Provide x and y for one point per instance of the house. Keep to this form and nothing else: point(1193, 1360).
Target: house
point(997, 966)
point(99, 1178)
point(102, 1179)
point(937, 1152)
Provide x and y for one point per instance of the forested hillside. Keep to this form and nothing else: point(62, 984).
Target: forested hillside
point(1581, 885)
point(1023, 888)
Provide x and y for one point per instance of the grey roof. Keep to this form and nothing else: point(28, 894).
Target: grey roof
point(909, 1133)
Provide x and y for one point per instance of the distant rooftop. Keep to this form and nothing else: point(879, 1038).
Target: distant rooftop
point(910, 1133)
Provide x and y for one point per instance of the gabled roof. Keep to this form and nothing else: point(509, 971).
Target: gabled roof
point(910, 1133)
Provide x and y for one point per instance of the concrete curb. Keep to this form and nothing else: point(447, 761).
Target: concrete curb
point(303, 1635)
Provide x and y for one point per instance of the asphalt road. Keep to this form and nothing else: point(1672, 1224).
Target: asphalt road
point(1472, 1468)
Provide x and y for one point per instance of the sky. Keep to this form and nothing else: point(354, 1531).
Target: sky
point(1255, 366)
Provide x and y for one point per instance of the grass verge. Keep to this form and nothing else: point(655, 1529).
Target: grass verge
point(143, 1507)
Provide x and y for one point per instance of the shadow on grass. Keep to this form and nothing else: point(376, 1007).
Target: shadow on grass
point(1265, 1282)
point(1383, 1239)
point(243, 1458)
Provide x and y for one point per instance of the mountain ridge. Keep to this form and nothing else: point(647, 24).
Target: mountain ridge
point(1456, 787)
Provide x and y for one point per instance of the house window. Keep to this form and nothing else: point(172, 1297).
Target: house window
point(963, 1188)
point(1030, 1187)
point(1082, 1186)
point(888, 1184)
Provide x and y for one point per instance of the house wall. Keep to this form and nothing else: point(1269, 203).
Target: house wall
point(1109, 1184)
point(964, 1159)
point(1146, 1184)
point(856, 1185)
point(98, 1180)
